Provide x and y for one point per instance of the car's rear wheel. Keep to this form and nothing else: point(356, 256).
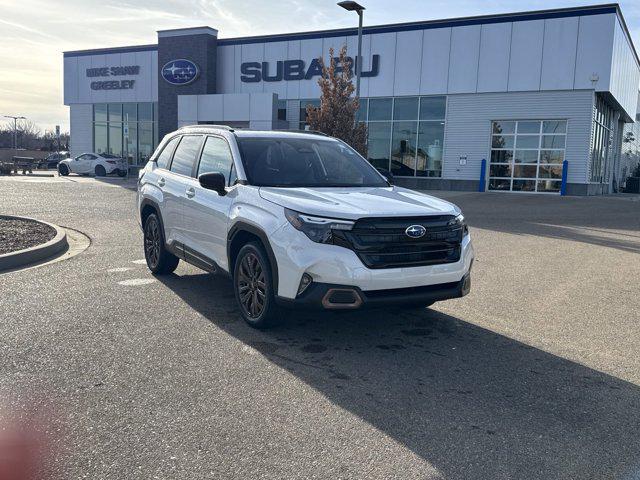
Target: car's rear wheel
point(63, 170)
point(122, 173)
point(253, 287)
point(100, 171)
point(159, 259)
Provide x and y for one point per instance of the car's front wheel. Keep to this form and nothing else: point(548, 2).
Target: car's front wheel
point(100, 171)
point(63, 170)
point(253, 286)
point(159, 259)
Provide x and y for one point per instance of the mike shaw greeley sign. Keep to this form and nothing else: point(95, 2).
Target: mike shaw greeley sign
point(113, 72)
point(252, 72)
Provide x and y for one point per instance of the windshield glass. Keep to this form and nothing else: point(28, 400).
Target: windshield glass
point(305, 162)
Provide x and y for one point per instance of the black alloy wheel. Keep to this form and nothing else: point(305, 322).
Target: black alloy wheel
point(159, 259)
point(253, 286)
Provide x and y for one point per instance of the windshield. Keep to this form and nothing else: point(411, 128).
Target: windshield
point(305, 162)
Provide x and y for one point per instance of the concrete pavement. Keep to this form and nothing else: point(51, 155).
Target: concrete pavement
point(535, 374)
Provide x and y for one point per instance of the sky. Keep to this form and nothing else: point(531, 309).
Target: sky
point(34, 33)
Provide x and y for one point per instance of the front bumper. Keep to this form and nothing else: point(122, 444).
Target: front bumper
point(334, 265)
point(345, 297)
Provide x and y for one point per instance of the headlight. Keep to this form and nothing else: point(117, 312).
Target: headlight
point(317, 229)
point(459, 220)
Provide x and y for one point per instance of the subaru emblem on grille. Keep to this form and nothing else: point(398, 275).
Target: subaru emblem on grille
point(415, 231)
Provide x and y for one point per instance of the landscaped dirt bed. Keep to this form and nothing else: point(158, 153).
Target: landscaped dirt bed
point(17, 234)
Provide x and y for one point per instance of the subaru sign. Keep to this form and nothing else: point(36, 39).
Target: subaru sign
point(180, 72)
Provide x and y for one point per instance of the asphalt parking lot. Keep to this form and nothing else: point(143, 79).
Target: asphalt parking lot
point(535, 374)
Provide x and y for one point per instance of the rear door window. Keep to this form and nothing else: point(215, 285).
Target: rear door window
point(185, 156)
point(164, 158)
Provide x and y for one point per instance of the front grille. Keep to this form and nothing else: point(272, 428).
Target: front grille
point(383, 243)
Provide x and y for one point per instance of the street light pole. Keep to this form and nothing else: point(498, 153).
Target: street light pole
point(359, 9)
point(15, 130)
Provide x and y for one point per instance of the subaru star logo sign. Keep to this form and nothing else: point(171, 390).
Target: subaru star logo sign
point(180, 72)
point(415, 231)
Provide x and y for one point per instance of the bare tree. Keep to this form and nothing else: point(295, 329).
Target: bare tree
point(336, 115)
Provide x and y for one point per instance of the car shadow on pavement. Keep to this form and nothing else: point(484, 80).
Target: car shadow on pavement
point(472, 403)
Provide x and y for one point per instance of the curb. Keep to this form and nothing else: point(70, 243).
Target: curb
point(40, 252)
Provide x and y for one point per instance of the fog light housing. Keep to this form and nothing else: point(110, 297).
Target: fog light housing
point(305, 281)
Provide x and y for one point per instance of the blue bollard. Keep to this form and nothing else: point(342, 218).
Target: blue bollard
point(563, 185)
point(483, 173)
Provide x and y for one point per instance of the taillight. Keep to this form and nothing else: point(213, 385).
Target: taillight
point(112, 162)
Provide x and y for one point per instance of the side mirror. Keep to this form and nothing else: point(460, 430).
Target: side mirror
point(213, 181)
point(386, 174)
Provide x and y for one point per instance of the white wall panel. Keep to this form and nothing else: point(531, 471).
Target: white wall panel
point(252, 52)
point(70, 88)
point(625, 73)
point(275, 52)
point(525, 61)
point(383, 44)
point(463, 60)
point(310, 49)
point(434, 75)
point(407, 65)
point(495, 50)
point(293, 53)
point(468, 127)
point(559, 53)
point(593, 56)
point(81, 128)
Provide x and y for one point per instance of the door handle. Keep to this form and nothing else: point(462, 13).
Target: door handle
point(191, 192)
point(161, 182)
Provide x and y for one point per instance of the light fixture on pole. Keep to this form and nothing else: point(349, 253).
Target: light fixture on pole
point(15, 129)
point(359, 9)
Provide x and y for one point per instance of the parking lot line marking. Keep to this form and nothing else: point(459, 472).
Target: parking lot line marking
point(139, 262)
point(136, 282)
point(118, 269)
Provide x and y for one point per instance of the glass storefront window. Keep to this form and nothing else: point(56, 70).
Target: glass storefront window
point(108, 132)
point(378, 144)
point(433, 108)
point(405, 108)
point(131, 144)
point(100, 112)
point(361, 114)
point(145, 112)
point(403, 148)
point(145, 141)
point(380, 108)
point(430, 145)
point(100, 142)
point(129, 112)
point(115, 139)
point(115, 112)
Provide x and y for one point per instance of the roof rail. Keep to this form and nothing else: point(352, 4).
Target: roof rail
point(294, 130)
point(208, 125)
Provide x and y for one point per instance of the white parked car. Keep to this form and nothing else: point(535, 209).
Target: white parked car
point(297, 220)
point(98, 164)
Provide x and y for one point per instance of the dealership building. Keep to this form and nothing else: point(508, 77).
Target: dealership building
point(498, 102)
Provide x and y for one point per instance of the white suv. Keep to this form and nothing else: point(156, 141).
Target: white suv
point(297, 219)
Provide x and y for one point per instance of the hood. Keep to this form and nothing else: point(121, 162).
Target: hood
point(353, 203)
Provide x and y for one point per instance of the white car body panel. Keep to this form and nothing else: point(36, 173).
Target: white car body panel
point(86, 163)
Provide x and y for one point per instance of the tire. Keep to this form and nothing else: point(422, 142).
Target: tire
point(63, 170)
point(100, 171)
point(159, 259)
point(251, 270)
point(122, 173)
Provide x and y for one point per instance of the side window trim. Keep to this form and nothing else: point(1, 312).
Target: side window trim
point(166, 145)
point(228, 174)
